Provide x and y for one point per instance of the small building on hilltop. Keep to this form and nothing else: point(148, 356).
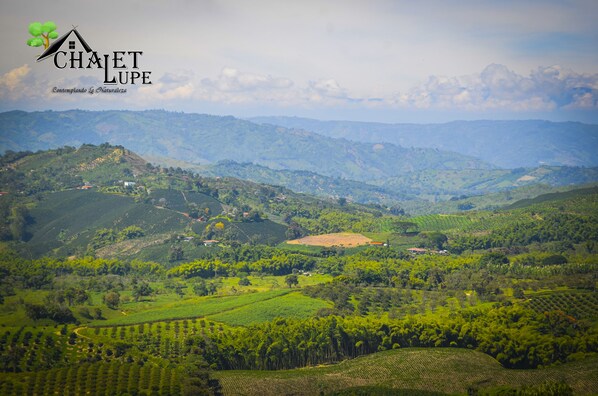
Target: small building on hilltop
point(417, 250)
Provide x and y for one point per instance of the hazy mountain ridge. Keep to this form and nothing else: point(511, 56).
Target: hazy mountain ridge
point(506, 144)
point(305, 182)
point(198, 138)
point(431, 185)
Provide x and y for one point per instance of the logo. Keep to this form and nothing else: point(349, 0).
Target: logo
point(71, 51)
point(42, 34)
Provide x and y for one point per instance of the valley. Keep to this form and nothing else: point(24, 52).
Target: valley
point(119, 274)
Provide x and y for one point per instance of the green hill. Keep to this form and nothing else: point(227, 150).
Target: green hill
point(408, 371)
point(420, 191)
point(442, 185)
point(108, 201)
point(203, 139)
point(557, 196)
point(65, 222)
point(306, 182)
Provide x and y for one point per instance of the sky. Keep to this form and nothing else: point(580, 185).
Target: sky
point(386, 61)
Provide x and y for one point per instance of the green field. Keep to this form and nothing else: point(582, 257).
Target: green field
point(68, 219)
point(180, 201)
point(444, 370)
point(193, 308)
point(441, 222)
point(292, 305)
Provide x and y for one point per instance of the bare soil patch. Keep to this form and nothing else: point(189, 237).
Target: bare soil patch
point(337, 239)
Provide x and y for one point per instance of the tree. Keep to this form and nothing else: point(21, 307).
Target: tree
point(42, 33)
point(403, 226)
point(142, 289)
point(518, 292)
point(494, 258)
point(196, 378)
point(18, 221)
point(97, 313)
point(291, 280)
point(244, 281)
point(212, 289)
point(200, 288)
point(435, 240)
point(112, 299)
point(130, 232)
point(176, 254)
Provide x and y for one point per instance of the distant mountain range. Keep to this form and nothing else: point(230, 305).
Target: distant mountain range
point(201, 139)
point(505, 144)
point(293, 156)
point(429, 185)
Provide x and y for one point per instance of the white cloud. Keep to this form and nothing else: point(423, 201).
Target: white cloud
point(11, 83)
point(232, 80)
point(497, 87)
point(171, 86)
point(326, 88)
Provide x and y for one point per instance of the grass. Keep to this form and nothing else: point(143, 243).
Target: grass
point(441, 222)
point(269, 282)
point(180, 201)
point(165, 304)
point(293, 305)
point(413, 369)
point(68, 219)
point(193, 307)
point(304, 249)
point(266, 231)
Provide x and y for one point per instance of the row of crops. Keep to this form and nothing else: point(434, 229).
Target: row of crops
point(578, 305)
point(96, 379)
point(441, 222)
point(29, 349)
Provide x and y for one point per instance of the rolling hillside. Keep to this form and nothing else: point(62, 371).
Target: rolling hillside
point(198, 138)
point(416, 190)
point(106, 200)
point(412, 371)
point(506, 144)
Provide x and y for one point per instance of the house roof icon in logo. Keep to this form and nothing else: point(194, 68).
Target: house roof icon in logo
point(55, 46)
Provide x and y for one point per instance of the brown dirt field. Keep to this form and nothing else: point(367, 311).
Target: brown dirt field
point(338, 239)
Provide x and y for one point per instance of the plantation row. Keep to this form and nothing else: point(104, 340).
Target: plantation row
point(21, 351)
point(578, 305)
point(95, 379)
point(441, 222)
